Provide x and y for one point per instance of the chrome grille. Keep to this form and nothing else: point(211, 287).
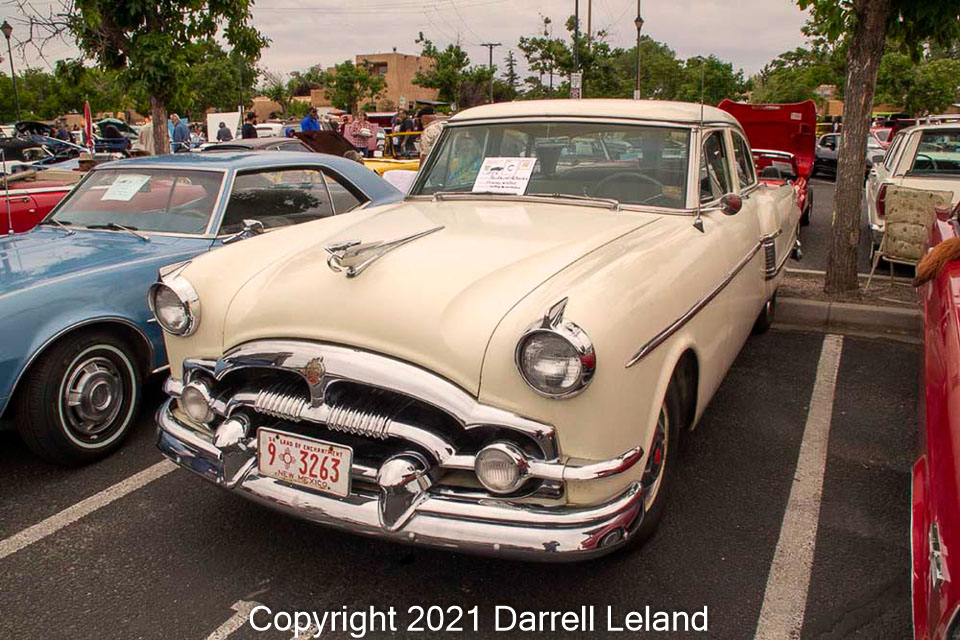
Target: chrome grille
point(368, 413)
point(284, 402)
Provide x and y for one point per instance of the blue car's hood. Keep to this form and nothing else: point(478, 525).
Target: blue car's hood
point(48, 254)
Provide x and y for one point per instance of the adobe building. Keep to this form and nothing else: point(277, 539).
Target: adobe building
point(399, 70)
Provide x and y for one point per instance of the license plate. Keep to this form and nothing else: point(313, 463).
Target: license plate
point(315, 464)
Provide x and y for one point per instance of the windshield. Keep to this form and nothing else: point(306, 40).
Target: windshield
point(938, 154)
point(882, 134)
point(170, 200)
point(633, 164)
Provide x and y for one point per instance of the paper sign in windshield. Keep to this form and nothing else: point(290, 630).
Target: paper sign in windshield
point(125, 187)
point(505, 175)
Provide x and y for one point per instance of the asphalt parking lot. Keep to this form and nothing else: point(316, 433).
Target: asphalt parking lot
point(175, 558)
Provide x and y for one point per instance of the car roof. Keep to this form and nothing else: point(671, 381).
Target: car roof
point(932, 127)
point(683, 112)
point(240, 159)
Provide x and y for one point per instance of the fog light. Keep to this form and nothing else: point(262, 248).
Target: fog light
point(501, 467)
point(196, 402)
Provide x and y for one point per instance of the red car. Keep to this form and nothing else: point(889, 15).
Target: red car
point(935, 506)
point(30, 202)
point(783, 140)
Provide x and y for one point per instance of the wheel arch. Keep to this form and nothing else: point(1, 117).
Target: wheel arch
point(686, 376)
point(127, 329)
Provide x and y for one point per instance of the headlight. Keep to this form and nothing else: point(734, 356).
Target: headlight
point(555, 357)
point(195, 400)
point(175, 305)
point(501, 467)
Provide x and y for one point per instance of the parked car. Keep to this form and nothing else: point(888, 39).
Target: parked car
point(783, 138)
point(76, 334)
point(27, 197)
point(920, 157)
point(882, 135)
point(258, 144)
point(827, 154)
point(503, 363)
point(935, 516)
point(400, 151)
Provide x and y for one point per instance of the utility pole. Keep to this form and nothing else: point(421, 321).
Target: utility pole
point(490, 46)
point(576, 78)
point(589, 21)
point(639, 23)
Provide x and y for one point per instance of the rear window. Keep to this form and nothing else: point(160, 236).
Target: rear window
point(938, 154)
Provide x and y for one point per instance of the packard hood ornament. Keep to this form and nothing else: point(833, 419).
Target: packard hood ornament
point(353, 256)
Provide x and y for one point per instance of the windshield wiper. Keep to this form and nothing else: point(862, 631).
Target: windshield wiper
point(119, 227)
point(60, 223)
point(612, 202)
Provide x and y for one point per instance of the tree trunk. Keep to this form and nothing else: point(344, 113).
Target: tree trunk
point(158, 113)
point(863, 60)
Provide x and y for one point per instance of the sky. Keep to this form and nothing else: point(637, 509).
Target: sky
point(748, 33)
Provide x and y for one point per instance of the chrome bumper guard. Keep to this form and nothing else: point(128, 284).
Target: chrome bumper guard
point(405, 510)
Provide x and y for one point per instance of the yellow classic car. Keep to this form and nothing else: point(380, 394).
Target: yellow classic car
point(400, 151)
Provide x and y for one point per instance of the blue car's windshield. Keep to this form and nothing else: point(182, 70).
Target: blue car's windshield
point(165, 200)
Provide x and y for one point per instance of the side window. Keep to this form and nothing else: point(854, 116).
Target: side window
point(746, 174)
point(343, 198)
point(715, 179)
point(277, 198)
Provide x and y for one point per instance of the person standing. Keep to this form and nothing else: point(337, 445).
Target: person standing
point(431, 131)
point(223, 133)
point(362, 134)
point(145, 138)
point(181, 134)
point(310, 122)
point(249, 129)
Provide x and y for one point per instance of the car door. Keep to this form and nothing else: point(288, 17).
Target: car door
point(735, 237)
point(827, 149)
point(21, 210)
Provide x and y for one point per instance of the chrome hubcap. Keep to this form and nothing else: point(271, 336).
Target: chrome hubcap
point(92, 396)
point(657, 460)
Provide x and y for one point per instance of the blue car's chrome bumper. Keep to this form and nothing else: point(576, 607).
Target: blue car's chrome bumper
point(503, 528)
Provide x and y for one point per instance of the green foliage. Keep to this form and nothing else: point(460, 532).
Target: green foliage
point(934, 87)
point(792, 76)
point(348, 85)
point(718, 79)
point(449, 70)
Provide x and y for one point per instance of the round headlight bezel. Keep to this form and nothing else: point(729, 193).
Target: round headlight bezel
point(201, 388)
point(189, 300)
point(512, 454)
point(556, 327)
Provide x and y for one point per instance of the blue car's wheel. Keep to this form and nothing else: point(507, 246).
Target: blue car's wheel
point(78, 400)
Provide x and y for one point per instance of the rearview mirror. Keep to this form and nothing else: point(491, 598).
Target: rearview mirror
point(250, 228)
point(731, 204)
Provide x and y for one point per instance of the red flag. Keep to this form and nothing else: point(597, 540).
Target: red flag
point(88, 124)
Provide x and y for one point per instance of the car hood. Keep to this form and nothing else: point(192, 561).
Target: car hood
point(434, 301)
point(48, 254)
point(780, 127)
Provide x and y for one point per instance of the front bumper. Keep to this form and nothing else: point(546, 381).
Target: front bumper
point(493, 527)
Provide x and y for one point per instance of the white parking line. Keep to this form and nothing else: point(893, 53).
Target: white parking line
point(83, 508)
point(785, 598)
point(234, 622)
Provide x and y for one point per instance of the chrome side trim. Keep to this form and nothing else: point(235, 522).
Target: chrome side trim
point(698, 306)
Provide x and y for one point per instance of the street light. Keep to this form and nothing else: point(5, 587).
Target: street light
point(639, 23)
point(7, 31)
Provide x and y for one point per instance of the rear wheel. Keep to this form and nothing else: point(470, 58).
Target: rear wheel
point(78, 400)
point(765, 319)
point(661, 465)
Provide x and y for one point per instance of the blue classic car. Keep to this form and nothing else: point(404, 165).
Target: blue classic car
point(76, 336)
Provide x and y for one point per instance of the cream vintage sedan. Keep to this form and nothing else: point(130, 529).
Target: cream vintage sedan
point(502, 363)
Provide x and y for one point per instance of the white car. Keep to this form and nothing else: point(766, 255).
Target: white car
point(504, 362)
point(920, 157)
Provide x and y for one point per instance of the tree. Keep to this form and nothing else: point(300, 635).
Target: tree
point(934, 87)
point(448, 71)
point(275, 87)
point(349, 85)
point(866, 24)
point(511, 77)
point(152, 44)
point(709, 79)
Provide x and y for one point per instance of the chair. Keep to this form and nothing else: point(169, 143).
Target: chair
point(909, 215)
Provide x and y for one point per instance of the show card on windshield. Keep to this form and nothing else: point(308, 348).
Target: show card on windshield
point(125, 187)
point(505, 175)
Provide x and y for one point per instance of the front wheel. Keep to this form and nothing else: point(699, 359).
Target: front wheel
point(78, 400)
point(661, 466)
